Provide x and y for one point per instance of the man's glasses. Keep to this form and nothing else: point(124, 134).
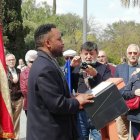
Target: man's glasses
point(11, 60)
point(102, 56)
point(31, 61)
point(130, 53)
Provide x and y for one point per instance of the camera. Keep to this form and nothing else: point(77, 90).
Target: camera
point(84, 65)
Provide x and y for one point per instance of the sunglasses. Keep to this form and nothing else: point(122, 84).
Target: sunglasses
point(130, 53)
point(70, 57)
point(31, 61)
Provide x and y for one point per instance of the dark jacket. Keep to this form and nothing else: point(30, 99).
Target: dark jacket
point(50, 108)
point(128, 93)
point(122, 71)
point(15, 92)
point(78, 83)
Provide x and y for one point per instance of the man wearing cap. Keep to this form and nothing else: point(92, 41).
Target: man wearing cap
point(87, 73)
point(69, 54)
point(30, 56)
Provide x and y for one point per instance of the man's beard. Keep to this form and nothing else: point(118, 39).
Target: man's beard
point(57, 53)
point(90, 62)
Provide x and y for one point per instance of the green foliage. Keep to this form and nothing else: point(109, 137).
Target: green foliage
point(117, 37)
point(33, 16)
point(19, 25)
point(69, 24)
point(13, 29)
point(17, 31)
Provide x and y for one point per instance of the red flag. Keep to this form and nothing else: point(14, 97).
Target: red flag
point(6, 123)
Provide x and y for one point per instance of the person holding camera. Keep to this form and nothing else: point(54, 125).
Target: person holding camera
point(86, 74)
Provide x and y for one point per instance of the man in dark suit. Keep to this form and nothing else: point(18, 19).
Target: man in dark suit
point(86, 74)
point(51, 110)
point(125, 71)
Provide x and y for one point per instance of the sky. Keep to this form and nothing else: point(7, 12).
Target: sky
point(103, 11)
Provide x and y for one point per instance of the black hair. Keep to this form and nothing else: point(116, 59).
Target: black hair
point(89, 46)
point(40, 32)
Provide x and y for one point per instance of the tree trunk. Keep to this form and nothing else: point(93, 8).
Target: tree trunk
point(0, 12)
point(54, 7)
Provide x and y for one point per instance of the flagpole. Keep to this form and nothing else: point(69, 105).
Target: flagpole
point(84, 21)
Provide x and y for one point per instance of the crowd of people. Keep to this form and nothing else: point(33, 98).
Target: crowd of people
point(41, 89)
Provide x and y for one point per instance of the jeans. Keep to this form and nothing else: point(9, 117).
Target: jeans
point(136, 129)
point(85, 129)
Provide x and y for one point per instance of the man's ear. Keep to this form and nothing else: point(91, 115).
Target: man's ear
point(47, 43)
point(139, 54)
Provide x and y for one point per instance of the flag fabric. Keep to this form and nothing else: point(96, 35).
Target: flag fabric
point(6, 123)
point(67, 71)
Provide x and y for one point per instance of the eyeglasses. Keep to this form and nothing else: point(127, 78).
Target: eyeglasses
point(130, 53)
point(70, 57)
point(31, 61)
point(102, 56)
point(11, 60)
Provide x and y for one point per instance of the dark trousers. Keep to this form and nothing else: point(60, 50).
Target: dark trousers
point(136, 129)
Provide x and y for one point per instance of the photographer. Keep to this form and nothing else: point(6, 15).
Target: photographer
point(86, 74)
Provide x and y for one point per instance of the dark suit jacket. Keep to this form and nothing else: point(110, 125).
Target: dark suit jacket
point(78, 82)
point(122, 71)
point(15, 92)
point(128, 93)
point(50, 108)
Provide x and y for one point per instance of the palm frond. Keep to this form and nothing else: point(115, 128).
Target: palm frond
point(127, 3)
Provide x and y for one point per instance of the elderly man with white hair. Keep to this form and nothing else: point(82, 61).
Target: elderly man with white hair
point(125, 71)
point(30, 56)
point(15, 93)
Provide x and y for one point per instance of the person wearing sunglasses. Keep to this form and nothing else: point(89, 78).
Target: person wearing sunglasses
point(125, 71)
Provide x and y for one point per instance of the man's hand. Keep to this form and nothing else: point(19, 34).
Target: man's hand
point(137, 92)
point(91, 71)
point(75, 61)
point(84, 99)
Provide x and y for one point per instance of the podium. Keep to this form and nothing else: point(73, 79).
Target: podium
point(108, 104)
